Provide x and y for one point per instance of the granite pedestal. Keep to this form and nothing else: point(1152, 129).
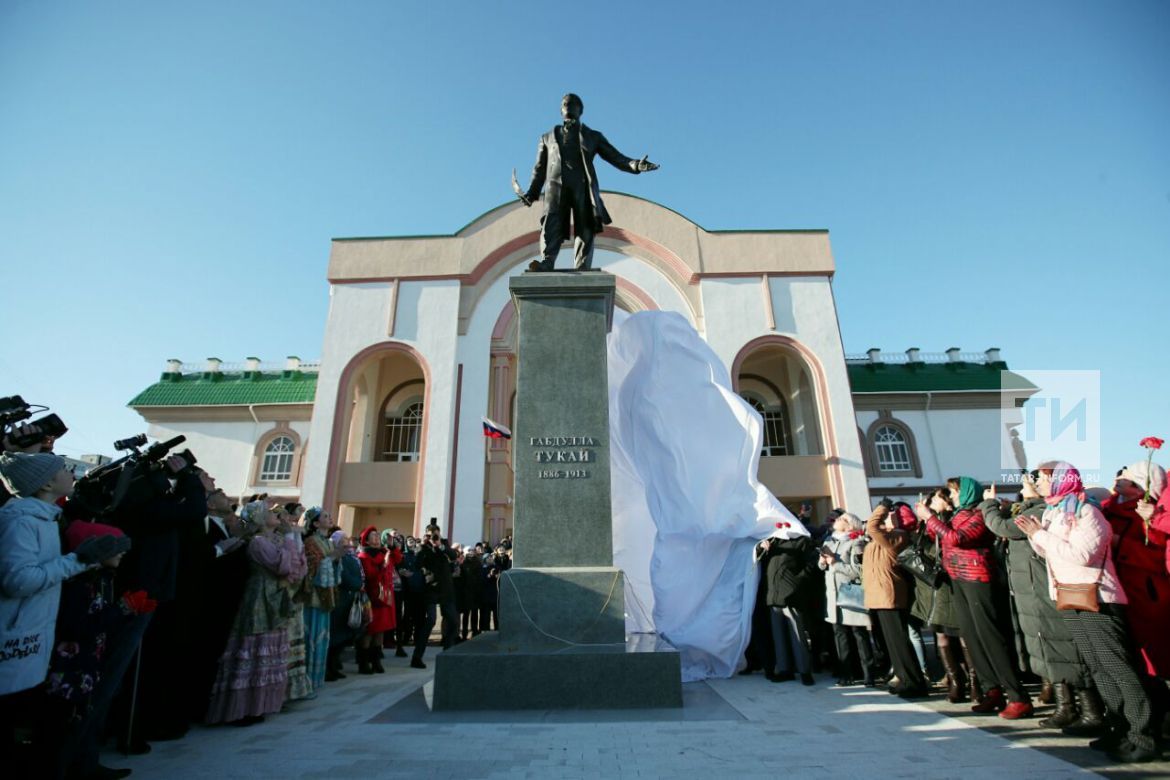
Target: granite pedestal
point(562, 640)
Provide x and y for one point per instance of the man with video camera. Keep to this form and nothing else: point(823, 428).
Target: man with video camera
point(157, 496)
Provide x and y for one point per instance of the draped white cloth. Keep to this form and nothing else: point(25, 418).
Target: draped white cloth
point(687, 505)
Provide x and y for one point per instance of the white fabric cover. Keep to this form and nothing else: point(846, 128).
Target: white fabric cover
point(687, 505)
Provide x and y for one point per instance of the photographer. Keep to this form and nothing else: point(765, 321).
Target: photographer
point(156, 525)
point(436, 560)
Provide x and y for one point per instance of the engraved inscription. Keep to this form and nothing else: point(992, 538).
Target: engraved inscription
point(555, 450)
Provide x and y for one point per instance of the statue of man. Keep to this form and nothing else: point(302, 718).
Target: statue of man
point(564, 159)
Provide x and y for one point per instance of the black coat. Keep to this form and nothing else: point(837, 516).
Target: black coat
point(790, 571)
point(437, 563)
point(1043, 642)
point(549, 167)
point(159, 530)
point(350, 583)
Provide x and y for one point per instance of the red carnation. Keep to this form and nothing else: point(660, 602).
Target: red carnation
point(1151, 443)
point(138, 603)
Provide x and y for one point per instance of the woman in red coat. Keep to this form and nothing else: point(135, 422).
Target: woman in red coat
point(1140, 556)
point(378, 565)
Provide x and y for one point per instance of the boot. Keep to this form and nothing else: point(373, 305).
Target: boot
point(363, 659)
point(972, 678)
point(1066, 708)
point(1091, 721)
point(993, 702)
point(1046, 692)
point(955, 679)
point(376, 660)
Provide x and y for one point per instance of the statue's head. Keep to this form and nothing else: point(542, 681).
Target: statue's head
point(572, 107)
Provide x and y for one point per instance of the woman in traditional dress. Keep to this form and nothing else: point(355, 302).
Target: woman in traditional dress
point(321, 592)
point(252, 678)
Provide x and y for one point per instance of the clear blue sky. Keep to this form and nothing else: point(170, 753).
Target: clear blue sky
point(992, 173)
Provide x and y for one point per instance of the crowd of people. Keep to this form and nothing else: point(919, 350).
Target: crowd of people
point(132, 614)
point(183, 607)
point(1064, 587)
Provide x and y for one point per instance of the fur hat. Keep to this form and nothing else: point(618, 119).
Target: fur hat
point(26, 473)
point(1151, 477)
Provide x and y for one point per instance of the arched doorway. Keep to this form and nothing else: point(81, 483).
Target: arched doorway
point(375, 474)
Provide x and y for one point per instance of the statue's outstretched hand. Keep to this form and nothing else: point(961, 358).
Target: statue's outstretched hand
point(527, 201)
point(645, 165)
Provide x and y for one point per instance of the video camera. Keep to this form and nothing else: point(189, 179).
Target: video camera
point(133, 479)
point(14, 409)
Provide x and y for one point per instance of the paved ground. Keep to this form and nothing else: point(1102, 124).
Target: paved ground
point(744, 727)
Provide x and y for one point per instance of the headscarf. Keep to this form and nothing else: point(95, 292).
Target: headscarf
point(1147, 476)
point(250, 512)
point(1067, 492)
point(337, 537)
point(386, 536)
point(970, 493)
point(310, 519)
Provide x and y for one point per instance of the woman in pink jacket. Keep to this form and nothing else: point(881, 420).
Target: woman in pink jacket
point(1074, 538)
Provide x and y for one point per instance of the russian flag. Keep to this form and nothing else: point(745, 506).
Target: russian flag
point(493, 430)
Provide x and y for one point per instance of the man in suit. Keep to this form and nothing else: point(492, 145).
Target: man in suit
point(564, 159)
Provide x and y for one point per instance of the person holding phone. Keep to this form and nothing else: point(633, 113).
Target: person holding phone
point(968, 560)
point(1046, 646)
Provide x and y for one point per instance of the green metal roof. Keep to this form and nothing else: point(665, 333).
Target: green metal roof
point(934, 377)
point(238, 389)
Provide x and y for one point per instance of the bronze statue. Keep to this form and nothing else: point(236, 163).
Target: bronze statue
point(564, 159)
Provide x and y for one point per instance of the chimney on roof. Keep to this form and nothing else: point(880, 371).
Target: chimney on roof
point(212, 370)
point(252, 368)
point(875, 354)
point(953, 354)
point(293, 363)
point(993, 355)
point(174, 370)
point(913, 356)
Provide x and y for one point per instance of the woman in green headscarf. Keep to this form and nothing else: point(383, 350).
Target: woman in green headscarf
point(968, 559)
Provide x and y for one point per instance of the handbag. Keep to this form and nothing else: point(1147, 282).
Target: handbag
point(356, 611)
point(914, 560)
point(1079, 596)
point(850, 595)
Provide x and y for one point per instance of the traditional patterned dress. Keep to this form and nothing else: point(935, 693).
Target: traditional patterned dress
point(252, 678)
point(321, 600)
point(299, 686)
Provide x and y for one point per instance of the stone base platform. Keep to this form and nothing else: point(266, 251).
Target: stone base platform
point(643, 673)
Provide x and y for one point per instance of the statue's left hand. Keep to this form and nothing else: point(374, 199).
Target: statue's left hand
point(645, 165)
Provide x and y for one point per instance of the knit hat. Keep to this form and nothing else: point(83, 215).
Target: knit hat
point(25, 473)
point(366, 533)
point(80, 530)
point(1150, 477)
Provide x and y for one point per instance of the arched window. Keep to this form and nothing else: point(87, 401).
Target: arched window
point(777, 440)
point(893, 454)
point(401, 435)
point(277, 465)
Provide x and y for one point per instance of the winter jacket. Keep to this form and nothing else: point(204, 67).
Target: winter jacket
point(1078, 552)
point(845, 568)
point(32, 569)
point(1161, 520)
point(350, 581)
point(1043, 642)
point(1142, 571)
point(966, 545)
point(885, 586)
point(788, 567)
